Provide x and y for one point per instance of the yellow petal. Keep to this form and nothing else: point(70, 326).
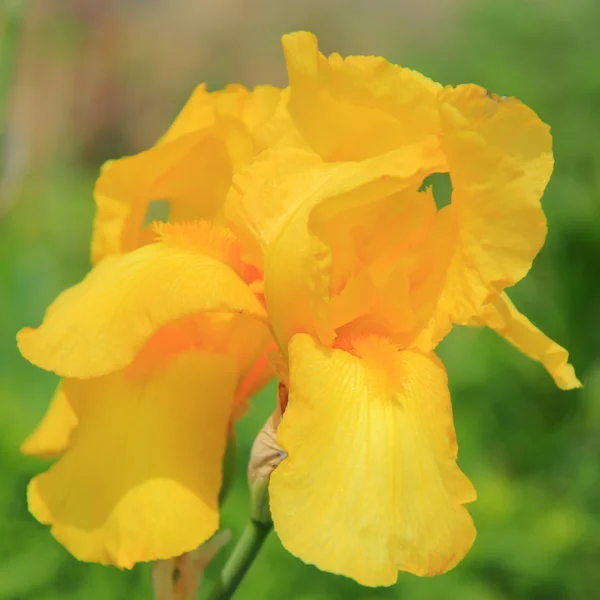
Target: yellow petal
point(238, 336)
point(206, 238)
point(501, 315)
point(141, 477)
point(500, 159)
point(190, 167)
point(390, 256)
point(251, 107)
point(298, 260)
point(255, 380)
point(52, 436)
point(99, 325)
point(262, 197)
point(358, 107)
point(198, 113)
point(192, 173)
point(204, 108)
point(279, 131)
point(232, 114)
point(370, 485)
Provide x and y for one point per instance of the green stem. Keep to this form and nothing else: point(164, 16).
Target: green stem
point(240, 560)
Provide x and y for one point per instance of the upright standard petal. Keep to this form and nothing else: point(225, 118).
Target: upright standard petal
point(359, 107)
point(298, 261)
point(250, 107)
point(98, 326)
point(263, 196)
point(370, 485)
point(501, 315)
point(141, 477)
point(190, 167)
point(52, 436)
point(192, 173)
point(390, 256)
point(499, 157)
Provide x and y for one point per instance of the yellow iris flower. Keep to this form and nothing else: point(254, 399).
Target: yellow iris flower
point(364, 275)
point(314, 228)
point(159, 347)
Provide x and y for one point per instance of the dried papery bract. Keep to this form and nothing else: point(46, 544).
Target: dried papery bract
point(266, 454)
point(179, 578)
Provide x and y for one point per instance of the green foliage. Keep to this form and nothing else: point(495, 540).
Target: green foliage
point(531, 451)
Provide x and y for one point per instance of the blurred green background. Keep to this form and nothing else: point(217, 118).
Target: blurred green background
point(94, 80)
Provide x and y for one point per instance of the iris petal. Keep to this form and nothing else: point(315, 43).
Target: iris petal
point(501, 315)
point(98, 326)
point(370, 485)
point(141, 477)
point(52, 436)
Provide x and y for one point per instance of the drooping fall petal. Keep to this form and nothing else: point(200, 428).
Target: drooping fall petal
point(52, 436)
point(244, 339)
point(141, 476)
point(501, 315)
point(99, 325)
point(370, 485)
